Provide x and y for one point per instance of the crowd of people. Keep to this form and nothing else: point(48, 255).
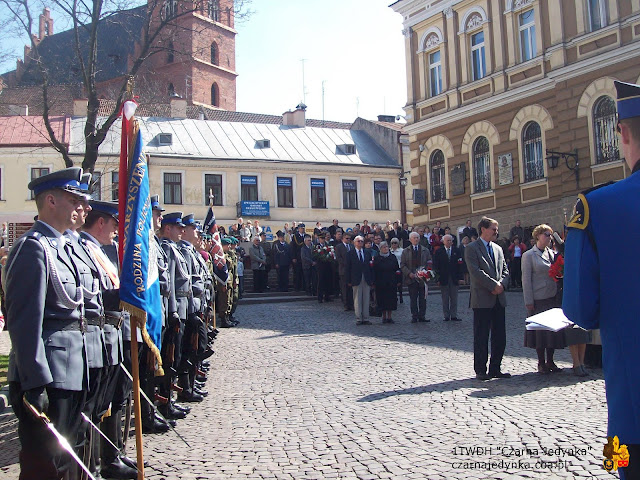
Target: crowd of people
point(71, 338)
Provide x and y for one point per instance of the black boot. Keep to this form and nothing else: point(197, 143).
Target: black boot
point(112, 465)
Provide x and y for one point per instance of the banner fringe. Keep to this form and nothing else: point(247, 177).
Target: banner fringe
point(140, 317)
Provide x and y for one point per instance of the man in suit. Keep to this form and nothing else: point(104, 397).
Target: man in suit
point(267, 248)
point(258, 265)
point(325, 278)
point(297, 242)
point(599, 287)
point(489, 278)
point(282, 261)
point(308, 266)
point(469, 231)
point(395, 232)
point(341, 250)
point(414, 257)
point(47, 363)
point(446, 263)
point(359, 276)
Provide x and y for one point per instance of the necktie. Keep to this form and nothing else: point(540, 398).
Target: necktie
point(360, 255)
point(490, 250)
point(449, 252)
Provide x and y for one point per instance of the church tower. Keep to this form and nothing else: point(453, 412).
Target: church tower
point(195, 56)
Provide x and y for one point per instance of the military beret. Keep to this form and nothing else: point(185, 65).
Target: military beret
point(226, 241)
point(279, 233)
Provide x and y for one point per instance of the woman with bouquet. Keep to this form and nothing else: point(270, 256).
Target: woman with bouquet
point(386, 278)
point(324, 255)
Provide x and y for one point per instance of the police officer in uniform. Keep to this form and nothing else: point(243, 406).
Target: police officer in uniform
point(599, 280)
point(297, 242)
point(47, 363)
point(281, 261)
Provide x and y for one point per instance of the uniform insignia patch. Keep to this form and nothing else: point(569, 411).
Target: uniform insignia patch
point(580, 217)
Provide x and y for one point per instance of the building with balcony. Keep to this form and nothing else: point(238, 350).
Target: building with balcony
point(511, 104)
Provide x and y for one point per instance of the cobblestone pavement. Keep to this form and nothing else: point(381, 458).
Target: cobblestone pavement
point(299, 391)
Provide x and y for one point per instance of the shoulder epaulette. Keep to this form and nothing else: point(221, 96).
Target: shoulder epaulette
point(34, 234)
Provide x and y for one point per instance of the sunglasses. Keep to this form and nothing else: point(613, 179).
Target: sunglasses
point(547, 234)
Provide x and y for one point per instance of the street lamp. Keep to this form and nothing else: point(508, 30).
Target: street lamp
point(403, 198)
point(570, 160)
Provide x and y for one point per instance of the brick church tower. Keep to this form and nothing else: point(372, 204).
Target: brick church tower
point(196, 58)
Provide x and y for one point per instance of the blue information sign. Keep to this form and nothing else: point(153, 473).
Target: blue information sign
point(284, 181)
point(249, 180)
point(254, 209)
point(317, 182)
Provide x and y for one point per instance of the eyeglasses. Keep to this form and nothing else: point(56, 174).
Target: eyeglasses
point(360, 241)
point(547, 234)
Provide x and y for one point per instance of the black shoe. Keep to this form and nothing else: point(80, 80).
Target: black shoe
point(456, 319)
point(425, 320)
point(201, 378)
point(206, 354)
point(388, 320)
point(184, 408)
point(176, 414)
point(446, 319)
point(130, 462)
point(482, 376)
point(199, 391)
point(156, 427)
point(192, 397)
point(117, 469)
point(414, 320)
point(500, 375)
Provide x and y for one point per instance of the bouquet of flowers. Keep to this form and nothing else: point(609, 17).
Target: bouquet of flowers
point(426, 274)
point(556, 271)
point(323, 253)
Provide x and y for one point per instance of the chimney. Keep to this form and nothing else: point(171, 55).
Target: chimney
point(178, 107)
point(18, 110)
point(387, 118)
point(295, 118)
point(80, 107)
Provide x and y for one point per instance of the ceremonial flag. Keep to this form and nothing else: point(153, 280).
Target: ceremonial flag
point(219, 262)
point(139, 280)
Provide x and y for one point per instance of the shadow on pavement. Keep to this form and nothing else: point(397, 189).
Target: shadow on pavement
point(514, 386)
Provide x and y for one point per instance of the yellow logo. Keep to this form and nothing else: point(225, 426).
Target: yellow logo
point(615, 455)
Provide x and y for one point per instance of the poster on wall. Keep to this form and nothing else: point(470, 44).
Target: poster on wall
point(505, 169)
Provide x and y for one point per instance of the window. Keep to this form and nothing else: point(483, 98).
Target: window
point(115, 184)
point(213, 10)
point(248, 188)
point(215, 95)
point(285, 192)
point(381, 195)
point(214, 54)
point(173, 188)
point(527, 35)
point(318, 193)
point(37, 173)
point(95, 187)
point(170, 51)
point(165, 139)
point(478, 66)
point(597, 13)
point(169, 9)
point(213, 185)
point(435, 74)
point(481, 165)
point(350, 194)
point(533, 160)
point(604, 126)
point(438, 188)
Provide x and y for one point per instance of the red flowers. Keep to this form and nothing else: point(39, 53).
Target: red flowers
point(556, 271)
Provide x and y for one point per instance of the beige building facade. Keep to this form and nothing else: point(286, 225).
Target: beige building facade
point(511, 107)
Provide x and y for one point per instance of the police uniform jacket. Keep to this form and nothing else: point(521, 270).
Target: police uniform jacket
point(197, 282)
point(600, 291)
point(91, 281)
point(281, 254)
point(44, 310)
point(163, 276)
point(179, 280)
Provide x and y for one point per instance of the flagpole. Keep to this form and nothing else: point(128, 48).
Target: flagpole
point(213, 300)
point(127, 143)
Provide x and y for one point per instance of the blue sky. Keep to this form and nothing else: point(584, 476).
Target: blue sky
point(355, 46)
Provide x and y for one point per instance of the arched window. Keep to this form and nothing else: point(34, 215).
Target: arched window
point(533, 161)
point(481, 165)
point(169, 9)
point(170, 90)
point(213, 10)
point(214, 53)
point(215, 95)
point(604, 126)
point(438, 187)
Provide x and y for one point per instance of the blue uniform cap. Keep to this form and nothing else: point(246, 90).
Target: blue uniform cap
point(155, 203)
point(107, 208)
point(189, 221)
point(628, 101)
point(85, 181)
point(67, 179)
point(174, 218)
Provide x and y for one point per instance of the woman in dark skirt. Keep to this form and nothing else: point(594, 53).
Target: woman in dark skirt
point(539, 291)
point(385, 277)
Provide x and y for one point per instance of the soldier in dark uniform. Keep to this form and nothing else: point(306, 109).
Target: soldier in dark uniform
point(267, 247)
point(281, 261)
point(224, 293)
point(177, 308)
point(47, 363)
point(194, 312)
point(297, 242)
point(234, 253)
point(599, 291)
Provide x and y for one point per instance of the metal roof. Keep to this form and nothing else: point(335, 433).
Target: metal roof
point(208, 139)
